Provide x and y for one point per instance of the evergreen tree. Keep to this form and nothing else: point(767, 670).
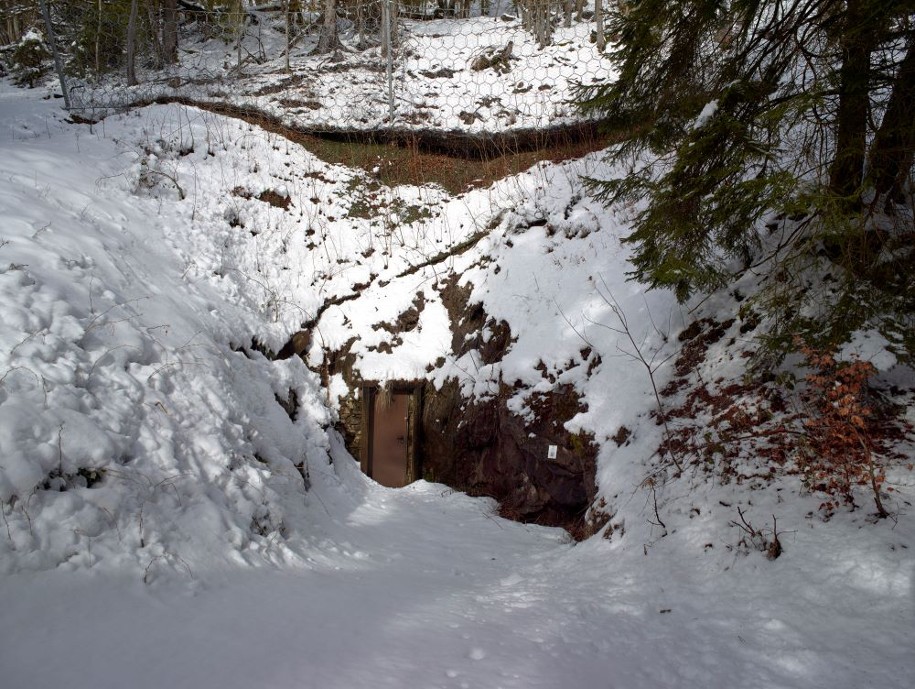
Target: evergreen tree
point(744, 112)
point(29, 60)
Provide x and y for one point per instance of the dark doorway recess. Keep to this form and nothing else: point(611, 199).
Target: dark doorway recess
point(390, 416)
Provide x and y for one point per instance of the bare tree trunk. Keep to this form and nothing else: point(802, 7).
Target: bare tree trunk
point(240, 34)
point(58, 64)
point(395, 26)
point(847, 171)
point(389, 35)
point(543, 23)
point(893, 150)
point(153, 14)
point(599, 25)
point(329, 40)
point(170, 31)
point(526, 15)
point(360, 25)
point(98, 39)
point(286, 12)
point(132, 44)
point(386, 38)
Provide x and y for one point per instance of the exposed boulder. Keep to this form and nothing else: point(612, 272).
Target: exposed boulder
point(481, 447)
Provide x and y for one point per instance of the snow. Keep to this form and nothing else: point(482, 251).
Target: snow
point(116, 362)
point(707, 113)
point(138, 265)
point(869, 346)
point(349, 90)
point(480, 603)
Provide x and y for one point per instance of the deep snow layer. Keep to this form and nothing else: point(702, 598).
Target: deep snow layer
point(203, 559)
point(133, 426)
point(420, 588)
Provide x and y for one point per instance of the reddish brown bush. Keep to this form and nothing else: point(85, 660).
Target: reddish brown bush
point(841, 434)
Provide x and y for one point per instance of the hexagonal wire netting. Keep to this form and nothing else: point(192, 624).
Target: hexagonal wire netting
point(479, 66)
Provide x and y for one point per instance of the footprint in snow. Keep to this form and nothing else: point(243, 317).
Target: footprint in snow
point(476, 654)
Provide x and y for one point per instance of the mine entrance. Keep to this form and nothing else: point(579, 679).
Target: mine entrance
point(389, 456)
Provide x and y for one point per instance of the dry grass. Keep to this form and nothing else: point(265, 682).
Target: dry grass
point(468, 163)
point(396, 164)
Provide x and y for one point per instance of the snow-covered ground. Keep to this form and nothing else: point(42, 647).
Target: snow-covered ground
point(433, 83)
point(419, 588)
point(158, 526)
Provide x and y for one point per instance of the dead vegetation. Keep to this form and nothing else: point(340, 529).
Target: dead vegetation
point(828, 427)
point(457, 162)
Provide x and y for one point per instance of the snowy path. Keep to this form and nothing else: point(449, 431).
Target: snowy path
point(422, 588)
point(426, 591)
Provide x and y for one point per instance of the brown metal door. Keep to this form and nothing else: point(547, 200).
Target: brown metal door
point(389, 439)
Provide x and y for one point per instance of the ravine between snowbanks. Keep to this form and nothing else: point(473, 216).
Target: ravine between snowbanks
point(455, 160)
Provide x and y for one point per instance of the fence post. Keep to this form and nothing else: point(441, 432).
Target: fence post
point(58, 65)
point(387, 41)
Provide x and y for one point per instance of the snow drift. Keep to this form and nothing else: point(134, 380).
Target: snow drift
point(135, 421)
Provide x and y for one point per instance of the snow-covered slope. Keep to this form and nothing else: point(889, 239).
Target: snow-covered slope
point(434, 86)
point(134, 425)
point(161, 531)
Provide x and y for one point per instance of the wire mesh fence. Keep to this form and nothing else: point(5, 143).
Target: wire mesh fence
point(328, 65)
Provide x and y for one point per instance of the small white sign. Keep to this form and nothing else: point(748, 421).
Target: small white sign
point(551, 452)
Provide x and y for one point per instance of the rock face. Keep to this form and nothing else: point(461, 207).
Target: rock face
point(482, 448)
point(536, 469)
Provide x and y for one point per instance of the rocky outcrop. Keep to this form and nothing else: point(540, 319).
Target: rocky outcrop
point(532, 465)
point(480, 446)
point(484, 449)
